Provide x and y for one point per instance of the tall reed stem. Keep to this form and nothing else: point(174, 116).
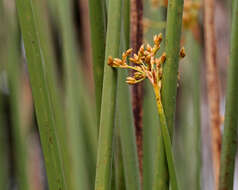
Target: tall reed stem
point(136, 35)
point(107, 119)
point(169, 88)
point(42, 26)
point(76, 104)
point(229, 141)
point(195, 68)
point(213, 86)
point(98, 35)
point(166, 140)
point(170, 70)
point(43, 106)
point(125, 115)
point(18, 130)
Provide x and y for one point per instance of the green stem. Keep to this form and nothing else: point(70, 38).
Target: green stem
point(43, 106)
point(104, 160)
point(151, 136)
point(229, 141)
point(166, 140)
point(118, 160)
point(42, 26)
point(169, 89)
point(76, 105)
point(98, 32)
point(155, 173)
point(170, 70)
point(18, 132)
point(127, 134)
point(195, 83)
point(124, 113)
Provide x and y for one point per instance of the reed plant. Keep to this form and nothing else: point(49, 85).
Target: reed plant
point(90, 132)
point(229, 141)
point(41, 98)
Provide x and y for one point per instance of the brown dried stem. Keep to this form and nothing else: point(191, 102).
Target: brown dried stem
point(137, 95)
point(212, 85)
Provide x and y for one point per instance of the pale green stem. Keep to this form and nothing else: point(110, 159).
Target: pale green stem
point(166, 140)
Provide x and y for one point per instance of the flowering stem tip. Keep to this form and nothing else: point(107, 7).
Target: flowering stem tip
point(147, 65)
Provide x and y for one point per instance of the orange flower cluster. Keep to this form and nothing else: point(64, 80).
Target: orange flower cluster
point(146, 64)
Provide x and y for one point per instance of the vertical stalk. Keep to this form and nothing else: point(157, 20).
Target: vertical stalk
point(42, 25)
point(107, 119)
point(76, 104)
point(195, 68)
point(151, 135)
point(124, 113)
point(43, 106)
point(97, 22)
point(213, 86)
point(166, 140)
point(229, 143)
point(136, 36)
point(154, 172)
point(118, 160)
point(169, 81)
point(18, 132)
point(170, 70)
point(127, 134)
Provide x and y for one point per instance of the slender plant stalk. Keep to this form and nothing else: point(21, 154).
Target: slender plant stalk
point(229, 143)
point(195, 68)
point(150, 137)
point(119, 171)
point(169, 88)
point(187, 143)
point(160, 169)
point(104, 159)
point(86, 49)
point(18, 132)
point(127, 134)
point(152, 68)
point(42, 26)
point(154, 172)
point(125, 115)
point(76, 102)
point(43, 107)
point(98, 33)
point(170, 70)
point(166, 139)
point(213, 86)
point(136, 34)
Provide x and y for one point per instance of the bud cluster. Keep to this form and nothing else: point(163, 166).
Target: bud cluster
point(145, 64)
